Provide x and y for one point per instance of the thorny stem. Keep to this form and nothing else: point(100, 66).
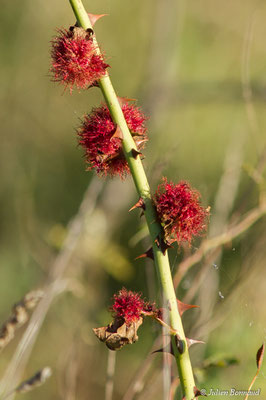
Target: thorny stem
point(143, 189)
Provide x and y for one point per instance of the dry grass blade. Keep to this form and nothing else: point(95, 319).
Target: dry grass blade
point(259, 358)
point(19, 316)
point(36, 380)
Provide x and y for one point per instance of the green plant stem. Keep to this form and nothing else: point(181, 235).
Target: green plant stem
point(143, 189)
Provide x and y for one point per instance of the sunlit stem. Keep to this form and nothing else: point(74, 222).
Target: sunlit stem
point(143, 189)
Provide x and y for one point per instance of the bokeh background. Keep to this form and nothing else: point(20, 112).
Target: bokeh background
point(198, 69)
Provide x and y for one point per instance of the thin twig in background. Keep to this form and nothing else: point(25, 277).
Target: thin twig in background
point(246, 86)
point(55, 285)
point(110, 372)
point(251, 217)
point(222, 208)
point(69, 371)
point(138, 382)
point(152, 386)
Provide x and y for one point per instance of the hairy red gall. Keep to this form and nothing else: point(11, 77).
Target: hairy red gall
point(102, 139)
point(180, 212)
point(75, 62)
point(128, 305)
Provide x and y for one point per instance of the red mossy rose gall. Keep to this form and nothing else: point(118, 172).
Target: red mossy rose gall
point(102, 142)
point(180, 212)
point(75, 62)
point(129, 306)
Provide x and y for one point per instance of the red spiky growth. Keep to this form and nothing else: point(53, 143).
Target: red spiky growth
point(128, 305)
point(102, 141)
point(179, 211)
point(74, 59)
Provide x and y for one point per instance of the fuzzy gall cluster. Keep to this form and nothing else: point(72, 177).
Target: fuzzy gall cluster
point(179, 211)
point(74, 59)
point(129, 306)
point(102, 143)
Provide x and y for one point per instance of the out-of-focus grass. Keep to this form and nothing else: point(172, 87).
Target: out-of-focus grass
point(43, 177)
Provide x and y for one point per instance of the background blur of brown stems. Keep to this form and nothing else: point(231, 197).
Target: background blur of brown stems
point(199, 70)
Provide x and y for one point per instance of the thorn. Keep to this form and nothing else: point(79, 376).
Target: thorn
point(140, 141)
point(118, 133)
point(95, 17)
point(182, 307)
point(169, 348)
point(190, 342)
point(165, 246)
point(141, 214)
point(157, 241)
point(94, 84)
point(124, 100)
point(162, 245)
point(148, 254)
point(259, 356)
point(140, 204)
point(135, 153)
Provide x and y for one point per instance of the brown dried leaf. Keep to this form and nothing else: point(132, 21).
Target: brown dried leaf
point(117, 334)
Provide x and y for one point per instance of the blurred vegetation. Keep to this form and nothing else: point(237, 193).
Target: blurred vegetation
point(185, 62)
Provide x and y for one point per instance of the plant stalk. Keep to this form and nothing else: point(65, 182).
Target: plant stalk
point(155, 229)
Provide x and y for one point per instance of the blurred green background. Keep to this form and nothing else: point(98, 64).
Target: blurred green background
point(198, 69)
